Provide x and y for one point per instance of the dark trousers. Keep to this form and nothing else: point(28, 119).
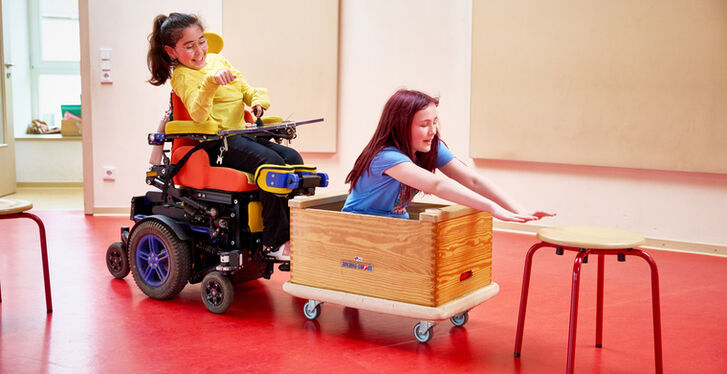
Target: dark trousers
point(247, 154)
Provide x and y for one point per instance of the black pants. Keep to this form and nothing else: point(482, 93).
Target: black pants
point(247, 154)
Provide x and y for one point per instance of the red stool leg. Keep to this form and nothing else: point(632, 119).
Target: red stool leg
point(524, 295)
point(574, 310)
point(43, 254)
point(599, 303)
point(656, 308)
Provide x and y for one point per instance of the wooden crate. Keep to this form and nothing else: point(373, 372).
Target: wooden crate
point(420, 260)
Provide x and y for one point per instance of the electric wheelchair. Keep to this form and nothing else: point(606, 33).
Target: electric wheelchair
point(203, 223)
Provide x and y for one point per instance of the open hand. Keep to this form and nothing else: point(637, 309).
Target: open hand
point(506, 215)
point(540, 214)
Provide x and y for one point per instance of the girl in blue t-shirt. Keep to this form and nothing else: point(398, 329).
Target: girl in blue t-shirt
point(400, 159)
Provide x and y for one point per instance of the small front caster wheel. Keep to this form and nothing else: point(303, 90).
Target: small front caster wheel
point(423, 331)
point(312, 310)
point(460, 319)
point(217, 292)
point(117, 260)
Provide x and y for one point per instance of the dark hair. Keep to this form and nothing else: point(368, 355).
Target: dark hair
point(166, 31)
point(394, 130)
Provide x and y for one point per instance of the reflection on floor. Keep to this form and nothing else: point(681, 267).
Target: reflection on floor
point(102, 324)
point(51, 198)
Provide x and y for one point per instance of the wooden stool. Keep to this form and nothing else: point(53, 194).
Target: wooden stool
point(587, 240)
point(14, 208)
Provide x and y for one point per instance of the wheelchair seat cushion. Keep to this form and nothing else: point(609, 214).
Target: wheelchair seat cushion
point(198, 173)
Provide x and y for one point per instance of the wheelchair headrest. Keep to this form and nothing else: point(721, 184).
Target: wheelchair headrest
point(214, 42)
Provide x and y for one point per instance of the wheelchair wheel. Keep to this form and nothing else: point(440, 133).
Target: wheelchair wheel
point(117, 261)
point(160, 262)
point(217, 292)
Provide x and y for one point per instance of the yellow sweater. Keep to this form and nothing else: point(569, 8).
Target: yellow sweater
point(205, 99)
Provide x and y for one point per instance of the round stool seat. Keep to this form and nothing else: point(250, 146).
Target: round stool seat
point(12, 206)
point(590, 237)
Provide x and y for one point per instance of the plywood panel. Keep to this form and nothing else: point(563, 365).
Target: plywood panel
point(291, 48)
point(463, 244)
point(622, 83)
point(400, 253)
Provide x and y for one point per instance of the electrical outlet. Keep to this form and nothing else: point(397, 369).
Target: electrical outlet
point(109, 173)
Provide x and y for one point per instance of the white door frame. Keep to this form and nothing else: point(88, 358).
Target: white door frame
point(7, 140)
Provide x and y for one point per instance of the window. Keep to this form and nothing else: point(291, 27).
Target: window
point(55, 58)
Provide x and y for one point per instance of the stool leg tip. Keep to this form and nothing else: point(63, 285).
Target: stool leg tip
point(599, 346)
point(517, 354)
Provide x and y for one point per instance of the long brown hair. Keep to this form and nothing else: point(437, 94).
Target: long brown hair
point(166, 31)
point(394, 130)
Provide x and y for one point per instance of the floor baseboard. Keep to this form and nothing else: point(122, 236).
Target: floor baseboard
point(47, 184)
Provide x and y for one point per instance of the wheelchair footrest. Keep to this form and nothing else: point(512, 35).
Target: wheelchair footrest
point(277, 179)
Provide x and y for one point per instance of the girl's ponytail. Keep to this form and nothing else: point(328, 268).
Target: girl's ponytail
point(166, 30)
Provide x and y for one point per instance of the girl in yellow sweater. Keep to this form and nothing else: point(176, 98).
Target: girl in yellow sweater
point(212, 89)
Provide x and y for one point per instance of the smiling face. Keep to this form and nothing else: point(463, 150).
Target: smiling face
point(191, 48)
point(423, 128)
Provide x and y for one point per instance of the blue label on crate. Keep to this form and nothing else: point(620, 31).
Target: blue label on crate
point(357, 264)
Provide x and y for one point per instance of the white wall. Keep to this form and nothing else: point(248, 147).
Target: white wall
point(123, 113)
point(43, 161)
point(425, 45)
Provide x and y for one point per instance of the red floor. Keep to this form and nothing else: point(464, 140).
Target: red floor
point(101, 324)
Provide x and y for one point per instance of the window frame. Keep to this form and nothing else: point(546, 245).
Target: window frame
point(38, 66)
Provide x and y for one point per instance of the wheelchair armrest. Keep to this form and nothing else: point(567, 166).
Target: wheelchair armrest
point(191, 127)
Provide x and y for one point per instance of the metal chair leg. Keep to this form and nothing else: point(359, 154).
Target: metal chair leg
point(656, 308)
point(599, 303)
point(44, 256)
point(524, 295)
point(43, 253)
point(574, 310)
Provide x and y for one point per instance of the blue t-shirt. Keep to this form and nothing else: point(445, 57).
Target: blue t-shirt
point(379, 194)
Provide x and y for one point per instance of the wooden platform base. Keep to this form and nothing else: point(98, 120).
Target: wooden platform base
point(398, 308)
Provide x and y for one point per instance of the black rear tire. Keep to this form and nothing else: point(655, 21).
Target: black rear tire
point(160, 262)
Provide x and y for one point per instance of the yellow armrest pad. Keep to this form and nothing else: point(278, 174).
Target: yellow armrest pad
point(191, 127)
point(272, 119)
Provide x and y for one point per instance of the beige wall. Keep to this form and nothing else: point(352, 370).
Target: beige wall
point(387, 44)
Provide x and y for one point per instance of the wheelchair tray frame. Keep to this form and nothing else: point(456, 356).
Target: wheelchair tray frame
point(284, 130)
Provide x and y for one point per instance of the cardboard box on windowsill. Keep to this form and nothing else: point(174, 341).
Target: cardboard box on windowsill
point(71, 127)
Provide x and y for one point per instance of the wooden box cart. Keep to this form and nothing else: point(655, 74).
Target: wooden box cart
point(433, 266)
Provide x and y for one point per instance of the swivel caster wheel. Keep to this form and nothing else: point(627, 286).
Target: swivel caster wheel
point(117, 261)
point(460, 319)
point(312, 309)
point(217, 292)
point(423, 331)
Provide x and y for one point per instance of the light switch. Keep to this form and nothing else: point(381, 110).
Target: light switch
point(105, 53)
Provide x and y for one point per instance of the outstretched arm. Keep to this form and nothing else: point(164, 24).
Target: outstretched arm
point(412, 175)
point(469, 178)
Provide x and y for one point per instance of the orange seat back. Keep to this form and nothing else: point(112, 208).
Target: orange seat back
point(197, 171)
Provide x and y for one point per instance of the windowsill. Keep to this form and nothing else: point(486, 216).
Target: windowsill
point(44, 137)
